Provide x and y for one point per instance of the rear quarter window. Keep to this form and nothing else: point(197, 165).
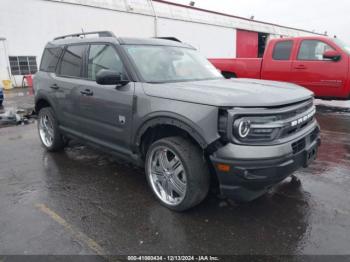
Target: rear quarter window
point(282, 50)
point(50, 59)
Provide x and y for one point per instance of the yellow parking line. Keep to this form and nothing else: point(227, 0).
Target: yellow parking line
point(74, 232)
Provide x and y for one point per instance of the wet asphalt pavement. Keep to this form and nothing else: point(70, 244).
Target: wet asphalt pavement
point(83, 202)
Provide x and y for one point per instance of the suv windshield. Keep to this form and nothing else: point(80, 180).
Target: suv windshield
point(342, 45)
point(159, 64)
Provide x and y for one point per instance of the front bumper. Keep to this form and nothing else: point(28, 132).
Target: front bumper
point(255, 169)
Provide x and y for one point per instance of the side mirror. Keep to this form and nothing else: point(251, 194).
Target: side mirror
point(331, 55)
point(110, 77)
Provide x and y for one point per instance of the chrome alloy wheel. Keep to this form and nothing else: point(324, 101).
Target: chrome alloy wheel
point(167, 175)
point(46, 130)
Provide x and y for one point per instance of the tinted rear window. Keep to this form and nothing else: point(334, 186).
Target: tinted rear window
point(50, 59)
point(282, 50)
point(72, 61)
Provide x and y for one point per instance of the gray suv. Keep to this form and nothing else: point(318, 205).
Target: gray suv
point(161, 105)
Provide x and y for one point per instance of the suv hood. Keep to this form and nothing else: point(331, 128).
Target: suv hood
point(231, 92)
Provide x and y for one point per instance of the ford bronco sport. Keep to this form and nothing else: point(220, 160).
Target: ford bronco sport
point(159, 104)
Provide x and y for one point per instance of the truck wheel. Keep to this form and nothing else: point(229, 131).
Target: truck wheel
point(49, 133)
point(177, 173)
point(228, 75)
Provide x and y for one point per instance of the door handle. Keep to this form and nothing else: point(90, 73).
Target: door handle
point(54, 86)
point(87, 92)
point(300, 67)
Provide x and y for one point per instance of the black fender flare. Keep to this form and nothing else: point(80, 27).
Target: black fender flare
point(172, 120)
point(40, 97)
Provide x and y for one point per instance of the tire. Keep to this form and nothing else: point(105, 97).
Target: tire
point(57, 143)
point(194, 176)
point(228, 75)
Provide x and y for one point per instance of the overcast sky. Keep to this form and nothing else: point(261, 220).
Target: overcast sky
point(320, 15)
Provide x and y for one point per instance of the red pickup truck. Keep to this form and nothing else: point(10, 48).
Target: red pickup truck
point(320, 64)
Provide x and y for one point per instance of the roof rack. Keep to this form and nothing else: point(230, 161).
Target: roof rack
point(99, 33)
point(169, 38)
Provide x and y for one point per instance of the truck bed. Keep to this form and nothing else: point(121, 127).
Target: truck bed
point(242, 67)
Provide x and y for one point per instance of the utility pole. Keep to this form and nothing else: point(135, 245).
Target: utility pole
point(3, 40)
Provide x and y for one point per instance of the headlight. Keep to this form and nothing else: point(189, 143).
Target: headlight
point(247, 128)
point(242, 127)
point(255, 129)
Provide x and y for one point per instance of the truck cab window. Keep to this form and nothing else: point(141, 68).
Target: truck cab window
point(282, 50)
point(312, 50)
point(103, 57)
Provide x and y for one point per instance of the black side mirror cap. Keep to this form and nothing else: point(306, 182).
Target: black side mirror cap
point(110, 77)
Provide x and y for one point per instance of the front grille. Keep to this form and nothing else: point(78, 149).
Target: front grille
point(297, 114)
point(297, 111)
point(289, 130)
point(273, 124)
point(298, 146)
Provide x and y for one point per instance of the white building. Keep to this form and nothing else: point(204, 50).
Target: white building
point(27, 25)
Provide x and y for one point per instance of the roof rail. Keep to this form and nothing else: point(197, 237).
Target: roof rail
point(171, 38)
point(99, 33)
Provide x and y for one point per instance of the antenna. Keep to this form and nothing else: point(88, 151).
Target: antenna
point(82, 30)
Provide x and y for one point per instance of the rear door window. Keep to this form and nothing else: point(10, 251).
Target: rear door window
point(72, 61)
point(282, 50)
point(103, 57)
point(50, 59)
